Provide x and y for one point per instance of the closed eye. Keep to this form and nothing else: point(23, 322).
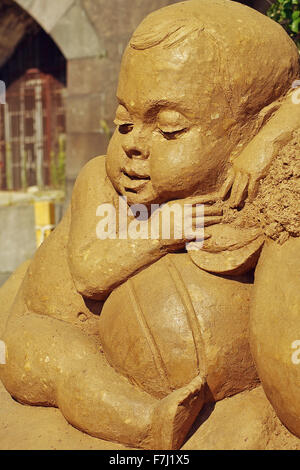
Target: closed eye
point(172, 135)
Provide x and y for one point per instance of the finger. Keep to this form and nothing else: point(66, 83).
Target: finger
point(212, 220)
point(213, 197)
point(235, 188)
point(239, 189)
point(207, 236)
point(196, 245)
point(228, 184)
point(196, 229)
point(253, 188)
point(204, 199)
point(208, 211)
point(190, 236)
point(200, 222)
point(212, 211)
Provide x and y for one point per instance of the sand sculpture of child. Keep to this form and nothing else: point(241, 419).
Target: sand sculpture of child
point(130, 337)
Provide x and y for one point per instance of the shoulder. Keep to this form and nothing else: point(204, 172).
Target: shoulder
point(93, 169)
point(92, 181)
point(92, 187)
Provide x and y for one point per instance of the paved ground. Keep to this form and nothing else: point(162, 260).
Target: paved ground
point(8, 198)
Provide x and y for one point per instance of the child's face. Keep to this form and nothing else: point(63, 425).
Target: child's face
point(170, 140)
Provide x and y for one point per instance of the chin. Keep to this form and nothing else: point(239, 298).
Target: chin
point(146, 197)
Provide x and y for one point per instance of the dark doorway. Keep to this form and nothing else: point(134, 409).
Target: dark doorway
point(32, 122)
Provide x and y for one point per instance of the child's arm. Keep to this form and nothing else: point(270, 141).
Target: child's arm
point(98, 266)
point(253, 163)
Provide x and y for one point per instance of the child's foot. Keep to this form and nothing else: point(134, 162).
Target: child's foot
point(174, 415)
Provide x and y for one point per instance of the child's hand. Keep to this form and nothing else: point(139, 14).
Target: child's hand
point(209, 216)
point(253, 163)
point(248, 174)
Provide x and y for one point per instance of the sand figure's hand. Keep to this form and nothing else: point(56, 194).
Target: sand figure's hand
point(252, 165)
point(208, 215)
point(248, 172)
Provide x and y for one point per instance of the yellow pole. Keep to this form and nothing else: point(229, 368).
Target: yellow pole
point(44, 212)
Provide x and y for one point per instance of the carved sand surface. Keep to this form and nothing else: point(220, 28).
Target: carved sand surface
point(144, 338)
point(248, 421)
point(276, 207)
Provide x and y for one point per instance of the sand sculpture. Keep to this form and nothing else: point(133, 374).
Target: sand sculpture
point(131, 337)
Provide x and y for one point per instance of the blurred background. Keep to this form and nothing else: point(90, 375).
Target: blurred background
point(59, 60)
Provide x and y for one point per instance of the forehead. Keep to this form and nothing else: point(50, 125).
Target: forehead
point(183, 77)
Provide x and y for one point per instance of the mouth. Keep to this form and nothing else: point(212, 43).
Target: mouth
point(133, 175)
point(134, 182)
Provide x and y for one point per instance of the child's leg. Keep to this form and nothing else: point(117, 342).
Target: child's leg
point(50, 362)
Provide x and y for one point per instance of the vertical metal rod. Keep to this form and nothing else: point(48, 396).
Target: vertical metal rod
point(22, 138)
point(48, 109)
point(8, 152)
point(39, 135)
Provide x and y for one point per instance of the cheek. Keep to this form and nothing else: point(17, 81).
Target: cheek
point(175, 163)
point(114, 145)
point(113, 155)
point(188, 164)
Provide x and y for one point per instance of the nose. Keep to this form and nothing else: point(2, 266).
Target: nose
point(136, 145)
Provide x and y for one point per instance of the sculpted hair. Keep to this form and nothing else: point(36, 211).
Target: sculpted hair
point(167, 33)
point(258, 61)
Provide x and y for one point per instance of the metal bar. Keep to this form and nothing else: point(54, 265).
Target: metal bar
point(22, 138)
point(39, 143)
point(48, 115)
point(8, 153)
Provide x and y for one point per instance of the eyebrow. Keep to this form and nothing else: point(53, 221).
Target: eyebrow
point(156, 107)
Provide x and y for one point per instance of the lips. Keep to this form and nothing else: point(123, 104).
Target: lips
point(134, 175)
point(134, 181)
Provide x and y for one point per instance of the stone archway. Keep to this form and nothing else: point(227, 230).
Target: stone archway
point(67, 23)
point(32, 123)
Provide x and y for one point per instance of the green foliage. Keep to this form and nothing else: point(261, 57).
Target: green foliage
point(58, 164)
point(287, 13)
point(105, 129)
